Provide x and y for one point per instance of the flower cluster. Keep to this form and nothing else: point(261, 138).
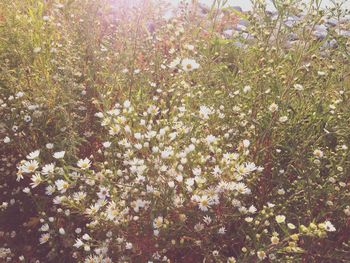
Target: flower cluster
point(155, 166)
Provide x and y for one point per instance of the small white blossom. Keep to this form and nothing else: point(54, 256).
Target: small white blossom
point(33, 155)
point(59, 155)
point(44, 238)
point(84, 164)
point(280, 219)
point(189, 64)
point(329, 226)
point(273, 107)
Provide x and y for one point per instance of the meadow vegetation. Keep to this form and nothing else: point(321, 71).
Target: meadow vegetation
point(212, 135)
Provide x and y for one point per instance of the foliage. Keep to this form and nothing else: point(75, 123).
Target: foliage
point(210, 136)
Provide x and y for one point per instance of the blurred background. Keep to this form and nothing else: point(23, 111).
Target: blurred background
point(246, 5)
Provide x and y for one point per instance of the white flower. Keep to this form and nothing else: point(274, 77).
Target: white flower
point(99, 115)
point(153, 110)
point(59, 155)
point(114, 129)
point(128, 245)
point(48, 169)
point(26, 190)
point(246, 143)
point(174, 63)
point(246, 89)
point(204, 203)
point(30, 166)
point(210, 139)
point(318, 153)
point(36, 180)
point(19, 94)
point(78, 243)
point(61, 231)
point(49, 146)
point(250, 167)
point(44, 228)
point(50, 190)
point(197, 171)
point(280, 219)
point(216, 171)
point(291, 226)
point(207, 220)
point(62, 185)
point(44, 238)
point(189, 64)
point(158, 222)
point(329, 226)
point(189, 182)
point(166, 153)
point(79, 196)
point(127, 104)
point(281, 191)
point(27, 118)
point(273, 107)
point(103, 193)
point(139, 203)
point(275, 240)
point(189, 47)
point(283, 119)
point(298, 87)
point(252, 209)
point(242, 188)
point(58, 199)
point(222, 230)
point(33, 155)
point(106, 144)
point(93, 209)
point(261, 255)
point(248, 219)
point(7, 139)
point(86, 237)
point(84, 164)
point(204, 112)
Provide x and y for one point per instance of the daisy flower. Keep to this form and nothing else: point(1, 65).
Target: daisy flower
point(84, 164)
point(318, 153)
point(189, 64)
point(33, 155)
point(204, 203)
point(44, 238)
point(30, 166)
point(59, 155)
point(48, 169)
point(78, 243)
point(50, 189)
point(158, 222)
point(261, 255)
point(62, 185)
